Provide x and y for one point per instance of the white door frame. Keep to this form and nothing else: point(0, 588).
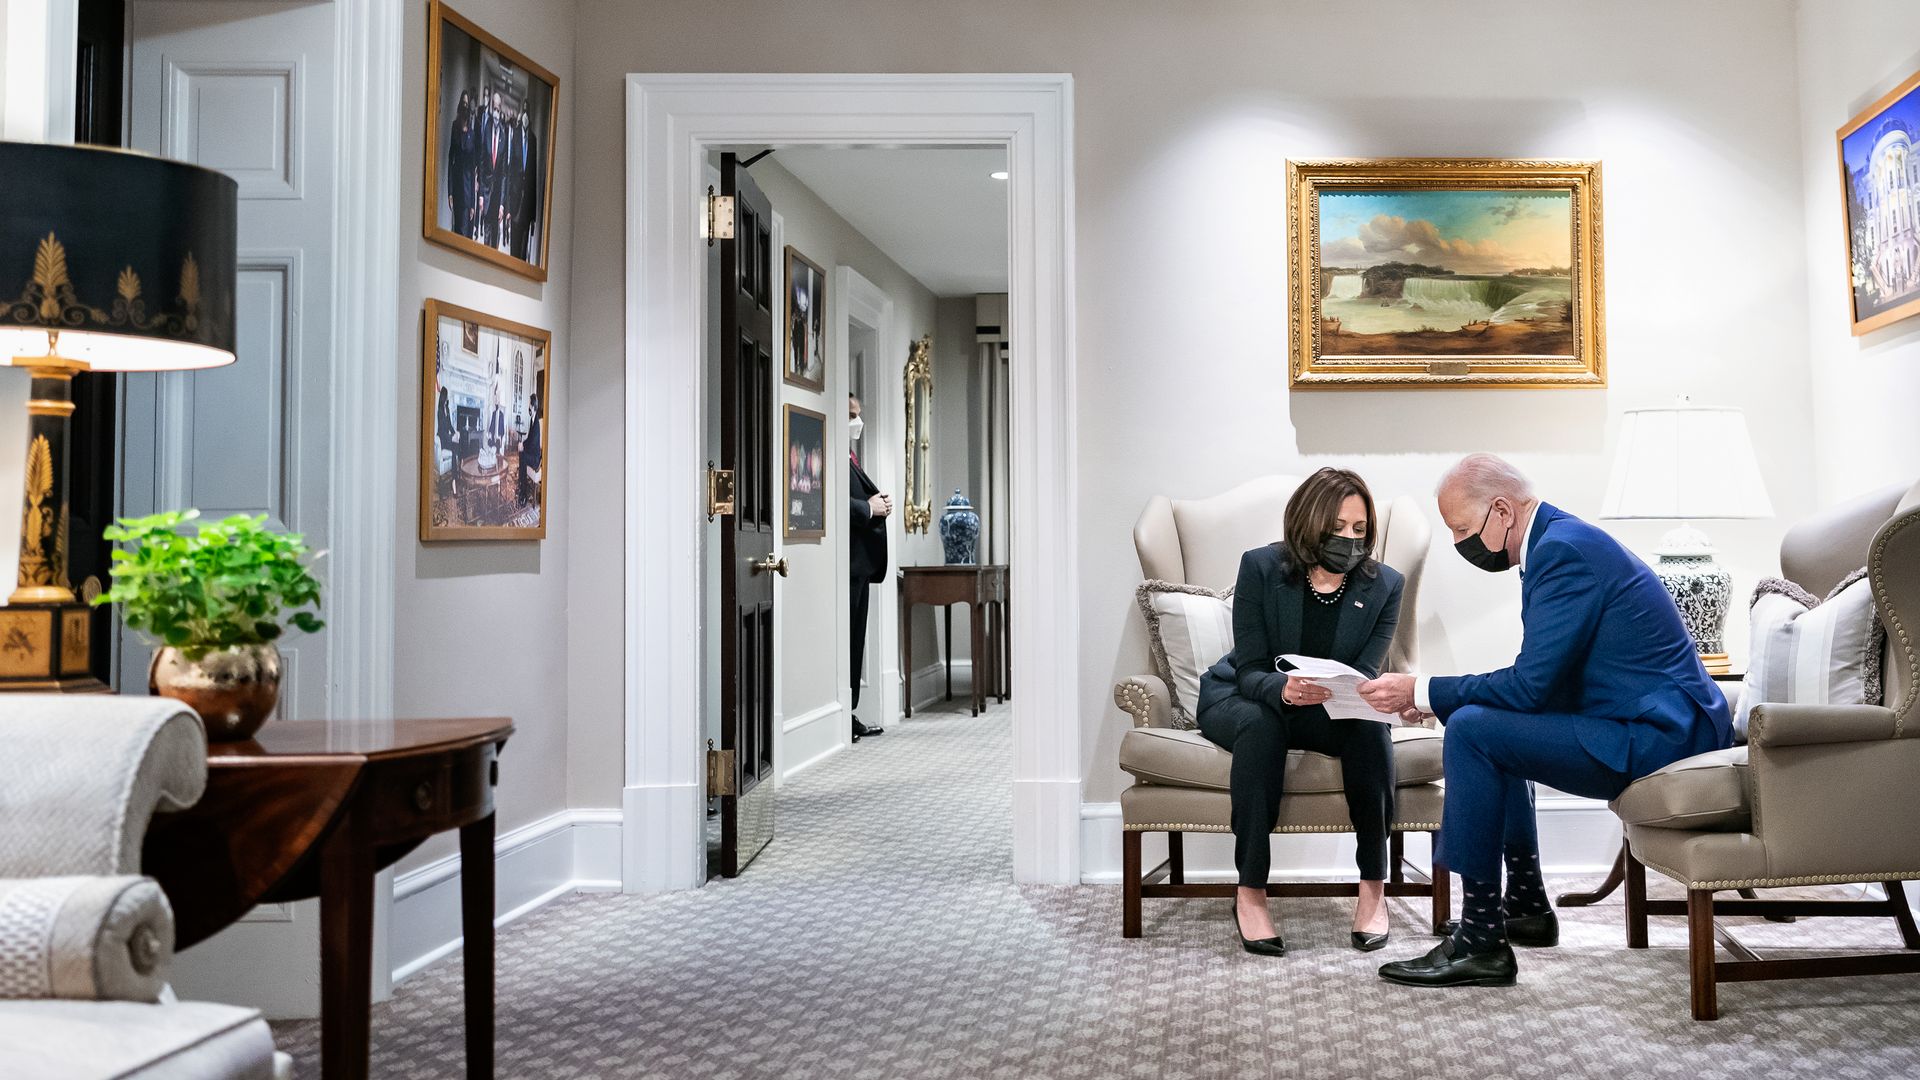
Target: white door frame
point(672, 120)
point(857, 300)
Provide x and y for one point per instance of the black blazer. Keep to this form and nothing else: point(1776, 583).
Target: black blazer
point(1267, 619)
point(867, 555)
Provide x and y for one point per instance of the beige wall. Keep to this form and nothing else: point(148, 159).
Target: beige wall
point(481, 628)
point(1184, 118)
point(1866, 390)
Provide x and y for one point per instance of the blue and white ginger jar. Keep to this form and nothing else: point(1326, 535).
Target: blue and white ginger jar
point(960, 531)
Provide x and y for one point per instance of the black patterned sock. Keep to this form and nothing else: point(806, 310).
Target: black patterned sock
point(1526, 888)
point(1483, 925)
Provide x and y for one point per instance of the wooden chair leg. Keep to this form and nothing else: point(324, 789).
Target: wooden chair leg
point(1700, 953)
point(1396, 857)
point(1636, 874)
point(1130, 884)
point(1177, 858)
point(1442, 898)
point(1902, 914)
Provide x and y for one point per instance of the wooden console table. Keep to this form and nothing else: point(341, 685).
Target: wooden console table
point(316, 808)
point(985, 589)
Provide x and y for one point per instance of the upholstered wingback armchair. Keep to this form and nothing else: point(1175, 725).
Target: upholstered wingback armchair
point(86, 940)
point(1180, 778)
point(1819, 794)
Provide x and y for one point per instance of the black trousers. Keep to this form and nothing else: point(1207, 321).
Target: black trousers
point(858, 595)
point(1259, 739)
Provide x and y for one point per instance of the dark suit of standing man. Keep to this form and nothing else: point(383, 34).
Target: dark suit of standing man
point(866, 555)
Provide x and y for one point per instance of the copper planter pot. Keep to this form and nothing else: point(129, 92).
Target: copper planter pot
point(234, 690)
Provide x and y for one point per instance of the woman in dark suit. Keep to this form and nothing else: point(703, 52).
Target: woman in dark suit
point(1316, 592)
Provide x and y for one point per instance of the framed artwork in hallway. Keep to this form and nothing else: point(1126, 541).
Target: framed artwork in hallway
point(491, 119)
point(1445, 272)
point(806, 363)
point(806, 513)
point(483, 426)
point(1880, 185)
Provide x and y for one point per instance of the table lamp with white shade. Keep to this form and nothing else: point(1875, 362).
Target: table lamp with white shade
point(109, 261)
point(1689, 463)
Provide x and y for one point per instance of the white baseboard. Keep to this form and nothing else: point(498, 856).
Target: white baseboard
point(805, 740)
point(571, 851)
point(1577, 836)
point(1046, 843)
point(930, 682)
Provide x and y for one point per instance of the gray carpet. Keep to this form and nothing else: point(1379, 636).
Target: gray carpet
point(880, 936)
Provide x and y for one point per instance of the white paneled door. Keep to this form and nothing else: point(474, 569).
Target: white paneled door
point(246, 88)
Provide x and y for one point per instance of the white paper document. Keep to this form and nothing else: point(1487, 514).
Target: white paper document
point(1343, 682)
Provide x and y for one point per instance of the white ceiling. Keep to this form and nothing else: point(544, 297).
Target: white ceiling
point(936, 212)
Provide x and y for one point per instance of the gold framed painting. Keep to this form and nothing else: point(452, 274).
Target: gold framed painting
point(491, 118)
point(1455, 272)
point(483, 426)
point(1881, 189)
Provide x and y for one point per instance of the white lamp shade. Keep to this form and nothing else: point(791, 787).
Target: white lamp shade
point(1685, 463)
point(111, 352)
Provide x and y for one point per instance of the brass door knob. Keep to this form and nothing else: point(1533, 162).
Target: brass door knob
point(778, 566)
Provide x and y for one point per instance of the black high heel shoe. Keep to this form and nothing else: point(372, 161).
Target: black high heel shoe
point(1370, 942)
point(1273, 946)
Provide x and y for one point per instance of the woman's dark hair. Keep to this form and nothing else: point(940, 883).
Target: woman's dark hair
point(1312, 510)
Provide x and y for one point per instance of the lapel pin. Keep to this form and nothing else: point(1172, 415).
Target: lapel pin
point(1359, 603)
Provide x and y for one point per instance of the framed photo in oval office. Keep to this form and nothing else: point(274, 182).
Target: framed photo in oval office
point(1880, 188)
point(806, 337)
point(492, 114)
point(805, 515)
point(483, 426)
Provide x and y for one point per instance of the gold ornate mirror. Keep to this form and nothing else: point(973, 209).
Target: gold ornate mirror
point(919, 385)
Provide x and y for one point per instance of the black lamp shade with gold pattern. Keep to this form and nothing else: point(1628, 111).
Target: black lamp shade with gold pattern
point(130, 258)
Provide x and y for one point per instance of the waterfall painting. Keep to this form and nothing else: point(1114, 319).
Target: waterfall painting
point(1880, 172)
point(1448, 272)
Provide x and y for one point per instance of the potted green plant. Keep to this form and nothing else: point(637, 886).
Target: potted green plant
point(213, 601)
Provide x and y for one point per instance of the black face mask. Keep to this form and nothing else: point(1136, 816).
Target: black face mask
point(1339, 554)
point(1475, 550)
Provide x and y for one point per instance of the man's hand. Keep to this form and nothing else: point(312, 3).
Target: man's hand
point(880, 505)
point(1392, 693)
point(1413, 716)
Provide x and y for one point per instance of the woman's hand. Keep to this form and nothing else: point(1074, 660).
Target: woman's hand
point(1301, 691)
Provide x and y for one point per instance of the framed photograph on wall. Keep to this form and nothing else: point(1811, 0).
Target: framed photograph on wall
point(483, 426)
point(806, 441)
point(806, 362)
point(491, 118)
point(1880, 183)
point(1445, 272)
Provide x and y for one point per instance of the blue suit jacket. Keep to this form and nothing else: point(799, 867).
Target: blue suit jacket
point(1602, 638)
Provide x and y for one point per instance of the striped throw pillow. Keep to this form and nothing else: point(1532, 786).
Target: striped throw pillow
point(1188, 629)
point(1807, 651)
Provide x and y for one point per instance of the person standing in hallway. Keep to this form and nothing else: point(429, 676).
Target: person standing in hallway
point(867, 552)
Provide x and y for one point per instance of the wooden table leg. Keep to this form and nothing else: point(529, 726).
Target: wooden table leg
point(947, 610)
point(346, 954)
point(1614, 877)
point(906, 655)
point(1000, 624)
point(476, 928)
point(977, 624)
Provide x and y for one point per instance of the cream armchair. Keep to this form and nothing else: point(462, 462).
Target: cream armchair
point(1180, 778)
point(1820, 795)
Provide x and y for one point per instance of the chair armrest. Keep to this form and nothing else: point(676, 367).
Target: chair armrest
point(85, 938)
point(1775, 724)
point(1146, 699)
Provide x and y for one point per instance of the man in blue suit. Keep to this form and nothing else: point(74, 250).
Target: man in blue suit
point(1607, 688)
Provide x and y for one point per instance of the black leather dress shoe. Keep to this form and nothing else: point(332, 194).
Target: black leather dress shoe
point(861, 731)
point(1272, 946)
point(1441, 968)
point(1533, 932)
point(1370, 942)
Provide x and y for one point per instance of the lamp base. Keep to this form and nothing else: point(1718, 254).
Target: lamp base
point(44, 649)
point(1702, 589)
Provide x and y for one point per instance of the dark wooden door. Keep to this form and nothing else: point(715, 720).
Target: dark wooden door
point(747, 386)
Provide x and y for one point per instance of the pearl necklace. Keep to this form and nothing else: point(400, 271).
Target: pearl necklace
point(1326, 598)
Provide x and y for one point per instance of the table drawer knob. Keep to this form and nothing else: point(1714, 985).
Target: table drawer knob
point(423, 796)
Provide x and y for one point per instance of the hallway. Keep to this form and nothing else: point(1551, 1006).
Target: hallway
point(881, 936)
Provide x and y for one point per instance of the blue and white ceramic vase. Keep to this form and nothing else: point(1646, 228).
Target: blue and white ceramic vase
point(960, 531)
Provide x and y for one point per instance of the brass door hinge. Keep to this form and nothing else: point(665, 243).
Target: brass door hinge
point(717, 223)
point(719, 491)
point(719, 771)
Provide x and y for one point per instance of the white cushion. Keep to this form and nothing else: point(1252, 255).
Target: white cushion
point(1188, 629)
point(94, 1040)
point(1809, 652)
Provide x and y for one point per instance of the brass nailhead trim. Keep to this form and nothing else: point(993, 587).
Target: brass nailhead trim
point(1877, 559)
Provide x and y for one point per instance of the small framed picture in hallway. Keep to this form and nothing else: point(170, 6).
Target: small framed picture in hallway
point(491, 118)
point(806, 513)
point(806, 363)
point(483, 427)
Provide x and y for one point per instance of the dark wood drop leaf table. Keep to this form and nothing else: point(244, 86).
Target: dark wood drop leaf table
point(316, 808)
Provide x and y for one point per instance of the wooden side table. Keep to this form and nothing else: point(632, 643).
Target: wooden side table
point(316, 808)
point(985, 589)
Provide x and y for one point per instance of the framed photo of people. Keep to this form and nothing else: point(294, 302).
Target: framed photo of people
point(1880, 175)
point(805, 517)
point(491, 118)
point(483, 426)
point(806, 363)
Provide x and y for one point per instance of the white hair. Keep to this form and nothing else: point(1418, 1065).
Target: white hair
point(1481, 478)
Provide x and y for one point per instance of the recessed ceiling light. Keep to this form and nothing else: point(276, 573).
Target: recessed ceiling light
point(1001, 175)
